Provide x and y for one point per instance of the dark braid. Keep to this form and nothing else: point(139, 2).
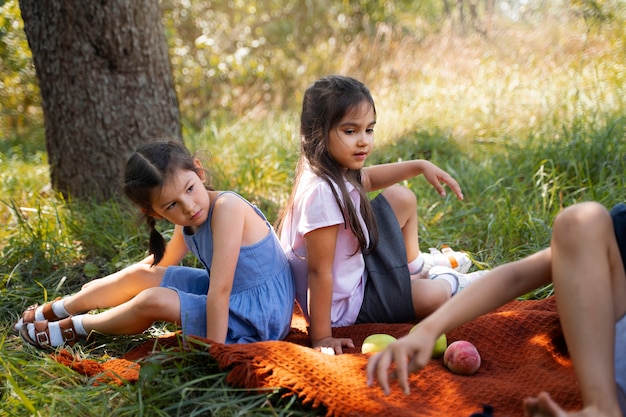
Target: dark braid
point(157, 243)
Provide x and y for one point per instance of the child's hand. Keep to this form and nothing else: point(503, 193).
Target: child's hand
point(324, 345)
point(437, 176)
point(409, 353)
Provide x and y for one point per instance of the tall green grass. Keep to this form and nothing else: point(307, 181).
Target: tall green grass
point(529, 122)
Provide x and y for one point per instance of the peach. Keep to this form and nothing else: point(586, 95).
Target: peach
point(462, 358)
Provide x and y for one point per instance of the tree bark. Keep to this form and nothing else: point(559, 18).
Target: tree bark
point(106, 86)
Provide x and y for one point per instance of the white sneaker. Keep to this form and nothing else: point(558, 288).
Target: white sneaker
point(458, 261)
point(463, 280)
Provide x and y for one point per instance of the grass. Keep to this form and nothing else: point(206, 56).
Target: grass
point(528, 122)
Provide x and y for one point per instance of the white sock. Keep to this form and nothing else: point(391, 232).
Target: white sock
point(450, 279)
point(58, 307)
point(78, 324)
point(416, 265)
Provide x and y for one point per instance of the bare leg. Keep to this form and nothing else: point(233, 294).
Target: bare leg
point(136, 315)
point(428, 295)
point(590, 287)
point(404, 205)
point(114, 289)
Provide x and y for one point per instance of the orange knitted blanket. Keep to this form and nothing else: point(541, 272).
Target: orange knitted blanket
point(521, 344)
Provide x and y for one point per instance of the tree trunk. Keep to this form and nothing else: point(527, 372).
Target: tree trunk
point(106, 87)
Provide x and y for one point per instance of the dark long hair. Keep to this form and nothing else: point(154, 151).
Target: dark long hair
point(147, 170)
point(325, 104)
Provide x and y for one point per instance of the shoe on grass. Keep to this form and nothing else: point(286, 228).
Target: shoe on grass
point(462, 280)
point(50, 334)
point(458, 261)
point(37, 312)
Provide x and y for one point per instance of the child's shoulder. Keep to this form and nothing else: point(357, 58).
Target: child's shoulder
point(230, 196)
point(236, 204)
point(228, 199)
point(313, 185)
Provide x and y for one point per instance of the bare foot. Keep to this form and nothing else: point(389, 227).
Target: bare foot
point(544, 406)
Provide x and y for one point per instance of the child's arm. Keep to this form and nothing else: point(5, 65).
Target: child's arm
point(377, 177)
point(505, 283)
point(320, 254)
point(228, 225)
point(175, 250)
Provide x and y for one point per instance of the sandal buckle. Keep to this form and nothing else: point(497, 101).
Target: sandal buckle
point(42, 338)
point(69, 335)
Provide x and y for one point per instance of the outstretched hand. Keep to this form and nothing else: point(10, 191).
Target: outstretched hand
point(409, 353)
point(437, 176)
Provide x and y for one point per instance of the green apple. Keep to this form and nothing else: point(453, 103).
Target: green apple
point(441, 344)
point(376, 342)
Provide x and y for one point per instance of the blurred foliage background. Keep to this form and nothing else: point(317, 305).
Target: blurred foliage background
point(523, 103)
point(248, 58)
point(493, 95)
point(459, 82)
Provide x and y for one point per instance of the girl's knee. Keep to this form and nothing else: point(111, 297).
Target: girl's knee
point(141, 275)
point(138, 268)
point(400, 198)
point(155, 299)
point(134, 270)
point(581, 220)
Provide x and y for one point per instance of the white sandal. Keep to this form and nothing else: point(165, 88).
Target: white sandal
point(459, 261)
point(462, 279)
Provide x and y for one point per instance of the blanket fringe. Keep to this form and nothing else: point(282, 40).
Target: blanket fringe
point(114, 371)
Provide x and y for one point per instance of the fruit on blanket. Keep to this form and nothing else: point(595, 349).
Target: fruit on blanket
point(462, 358)
point(376, 342)
point(440, 344)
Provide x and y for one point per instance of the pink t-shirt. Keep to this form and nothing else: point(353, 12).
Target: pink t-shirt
point(315, 207)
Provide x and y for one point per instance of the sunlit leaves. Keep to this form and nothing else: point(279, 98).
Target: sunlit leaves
point(19, 95)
